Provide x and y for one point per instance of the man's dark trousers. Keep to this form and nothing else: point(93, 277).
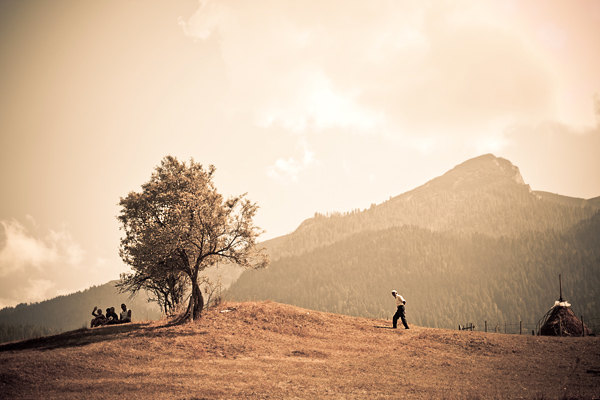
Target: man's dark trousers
point(400, 314)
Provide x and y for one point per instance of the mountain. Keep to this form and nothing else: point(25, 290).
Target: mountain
point(473, 245)
point(486, 194)
point(571, 201)
point(64, 313)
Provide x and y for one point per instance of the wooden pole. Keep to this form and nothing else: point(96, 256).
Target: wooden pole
point(582, 327)
point(520, 327)
point(560, 285)
point(485, 326)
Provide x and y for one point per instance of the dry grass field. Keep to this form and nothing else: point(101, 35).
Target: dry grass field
point(266, 350)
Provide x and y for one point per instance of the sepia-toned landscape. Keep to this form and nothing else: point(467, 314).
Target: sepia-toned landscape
point(222, 199)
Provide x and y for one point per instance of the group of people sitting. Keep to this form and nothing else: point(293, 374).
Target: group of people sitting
point(111, 316)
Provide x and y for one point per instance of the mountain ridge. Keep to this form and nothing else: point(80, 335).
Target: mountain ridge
point(447, 203)
point(474, 244)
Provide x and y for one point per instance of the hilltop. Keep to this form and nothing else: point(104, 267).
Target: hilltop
point(270, 350)
point(72, 311)
point(69, 312)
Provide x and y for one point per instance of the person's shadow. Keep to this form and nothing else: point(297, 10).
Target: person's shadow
point(382, 327)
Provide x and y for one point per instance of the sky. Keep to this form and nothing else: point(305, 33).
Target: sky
point(305, 105)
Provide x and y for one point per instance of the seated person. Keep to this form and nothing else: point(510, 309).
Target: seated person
point(111, 316)
point(99, 319)
point(125, 314)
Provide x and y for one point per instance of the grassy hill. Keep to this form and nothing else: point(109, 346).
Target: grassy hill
point(270, 350)
point(69, 312)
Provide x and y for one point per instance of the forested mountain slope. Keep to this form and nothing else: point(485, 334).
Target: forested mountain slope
point(571, 201)
point(472, 245)
point(448, 278)
point(72, 311)
point(485, 194)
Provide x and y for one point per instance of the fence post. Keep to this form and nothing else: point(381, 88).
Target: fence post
point(582, 327)
point(485, 326)
point(520, 327)
point(505, 327)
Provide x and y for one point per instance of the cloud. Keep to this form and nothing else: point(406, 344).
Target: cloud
point(424, 79)
point(21, 251)
point(288, 171)
point(401, 69)
point(282, 62)
point(37, 264)
point(318, 106)
point(38, 289)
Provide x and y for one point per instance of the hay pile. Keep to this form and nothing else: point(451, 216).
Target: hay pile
point(562, 321)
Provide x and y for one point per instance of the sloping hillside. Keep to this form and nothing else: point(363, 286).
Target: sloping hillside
point(270, 350)
point(73, 311)
point(486, 194)
point(447, 278)
point(571, 201)
point(473, 245)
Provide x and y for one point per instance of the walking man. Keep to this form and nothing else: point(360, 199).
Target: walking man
point(400, 311)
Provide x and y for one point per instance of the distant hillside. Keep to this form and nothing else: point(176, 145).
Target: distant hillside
point(486, 195)
point(73, 311)
point(12, 332)
point(570, 201)
point(473, 245)
point(70, 312)
point(447, 278)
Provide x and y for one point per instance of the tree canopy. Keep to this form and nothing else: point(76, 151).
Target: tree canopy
point(178, 226)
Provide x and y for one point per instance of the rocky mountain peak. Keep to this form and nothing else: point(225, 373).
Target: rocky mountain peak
point(476, 173)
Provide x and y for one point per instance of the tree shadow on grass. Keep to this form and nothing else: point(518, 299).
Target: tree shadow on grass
point(84, 336)
point(76, 338)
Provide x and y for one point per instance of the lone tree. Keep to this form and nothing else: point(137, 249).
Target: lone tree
point(178, 226)
point(161, 280)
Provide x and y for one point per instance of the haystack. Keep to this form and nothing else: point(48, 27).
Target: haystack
point(560, 320)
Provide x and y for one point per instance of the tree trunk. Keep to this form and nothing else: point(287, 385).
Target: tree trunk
point(198, 301)
point(191, 305)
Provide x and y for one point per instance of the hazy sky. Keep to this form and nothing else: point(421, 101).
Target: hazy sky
point(306, 105)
